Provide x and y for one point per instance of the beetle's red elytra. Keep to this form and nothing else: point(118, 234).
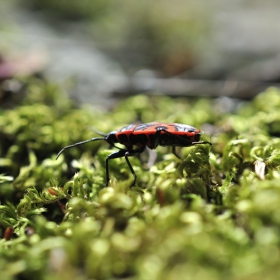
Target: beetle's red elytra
point(136, 137)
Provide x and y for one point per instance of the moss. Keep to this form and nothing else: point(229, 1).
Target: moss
point(212, 215)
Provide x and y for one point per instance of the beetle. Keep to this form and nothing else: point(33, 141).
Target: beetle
point(145, 135)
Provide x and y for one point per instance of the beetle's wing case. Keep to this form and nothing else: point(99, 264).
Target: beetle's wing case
point(146, 128)
point(128, 128)
point(184, 128)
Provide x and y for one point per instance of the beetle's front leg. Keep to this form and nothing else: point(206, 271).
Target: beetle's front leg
point(119, 154)
point(126, 154)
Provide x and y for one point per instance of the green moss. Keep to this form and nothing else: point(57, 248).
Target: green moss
point(212, 215)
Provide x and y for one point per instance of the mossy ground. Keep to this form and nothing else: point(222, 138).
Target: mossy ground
point(212, 215)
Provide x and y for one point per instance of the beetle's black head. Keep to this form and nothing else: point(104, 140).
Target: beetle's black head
point(111, 137)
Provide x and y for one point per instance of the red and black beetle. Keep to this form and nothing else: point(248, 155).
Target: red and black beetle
point(145, 135)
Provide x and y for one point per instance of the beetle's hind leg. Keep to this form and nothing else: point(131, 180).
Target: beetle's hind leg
point(174, 152)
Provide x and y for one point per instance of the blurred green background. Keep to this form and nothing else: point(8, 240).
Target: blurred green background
point(110, 49)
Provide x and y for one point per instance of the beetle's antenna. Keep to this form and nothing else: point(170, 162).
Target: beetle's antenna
point(79, 143)
point(97, 131)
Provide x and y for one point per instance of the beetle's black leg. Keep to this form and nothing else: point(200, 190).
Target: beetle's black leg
point(155, 140)
point(174, 152)
point(118, 154)
point(129, 154)
point(126, 154)
point(131, 168)
point(202, 142)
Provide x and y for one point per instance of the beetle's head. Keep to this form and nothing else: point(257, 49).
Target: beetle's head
point(111, 137)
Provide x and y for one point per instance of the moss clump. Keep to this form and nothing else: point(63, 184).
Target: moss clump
point(212, 215)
